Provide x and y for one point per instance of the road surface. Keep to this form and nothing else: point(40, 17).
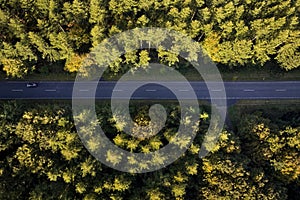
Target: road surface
point(234, 90)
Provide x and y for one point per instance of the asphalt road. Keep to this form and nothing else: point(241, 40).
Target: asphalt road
point(234, 90)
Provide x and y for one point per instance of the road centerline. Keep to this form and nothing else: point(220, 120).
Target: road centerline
point(183, 90)
point(280, 90)
point(217, 90)
point(50, 90)
point(150, 90)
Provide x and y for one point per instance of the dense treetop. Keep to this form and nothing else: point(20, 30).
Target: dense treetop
point(234, 33)
point(42, 157)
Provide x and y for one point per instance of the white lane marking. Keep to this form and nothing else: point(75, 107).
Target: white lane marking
point(83, 90)
point(183, 90)
point(249, 90)
point(150, 90)
point(50, 90)
point(17, 90)
point(218, 90)
point(280, 90)
point(118, 90)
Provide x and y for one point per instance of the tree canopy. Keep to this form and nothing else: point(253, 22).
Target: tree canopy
point(42, 157)
point(233, 33)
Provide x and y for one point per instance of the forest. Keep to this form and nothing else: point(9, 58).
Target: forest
point(42, 156)
point(37, 34)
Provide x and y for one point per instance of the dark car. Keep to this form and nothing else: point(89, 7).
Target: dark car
point(31, 85)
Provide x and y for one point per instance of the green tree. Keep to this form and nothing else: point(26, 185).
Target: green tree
point(228, 175)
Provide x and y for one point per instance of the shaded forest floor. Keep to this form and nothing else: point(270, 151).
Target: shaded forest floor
point(269, 72)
